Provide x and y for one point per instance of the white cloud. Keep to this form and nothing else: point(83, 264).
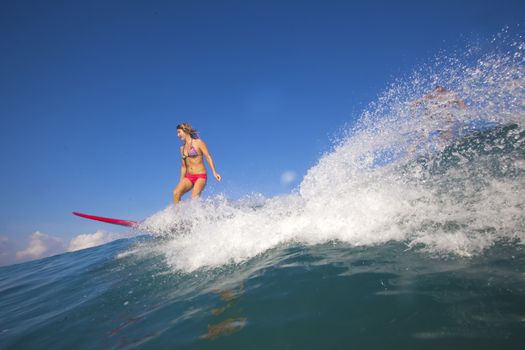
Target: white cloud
point(41, 245)
point(90, 240)
point(288, 177)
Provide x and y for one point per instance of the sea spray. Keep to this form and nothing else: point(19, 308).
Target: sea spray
point(442, 179)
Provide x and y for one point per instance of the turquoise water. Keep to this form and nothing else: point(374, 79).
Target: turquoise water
point(408, 234)
point(327, 296)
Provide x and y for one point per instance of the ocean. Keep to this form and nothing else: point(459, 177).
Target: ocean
point(408, 234)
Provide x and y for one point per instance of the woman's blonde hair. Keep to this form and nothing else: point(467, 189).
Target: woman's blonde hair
point(188, 129)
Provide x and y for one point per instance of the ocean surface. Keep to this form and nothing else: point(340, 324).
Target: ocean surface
point(408, 234)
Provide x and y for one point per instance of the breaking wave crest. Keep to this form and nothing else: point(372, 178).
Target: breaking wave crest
point(441, 172)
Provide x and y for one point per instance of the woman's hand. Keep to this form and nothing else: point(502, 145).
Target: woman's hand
point(217, 176)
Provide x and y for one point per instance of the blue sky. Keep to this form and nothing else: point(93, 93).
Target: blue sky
point(91, 93)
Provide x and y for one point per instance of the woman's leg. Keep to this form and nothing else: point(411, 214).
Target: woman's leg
point(183, 187)
point(198, 188)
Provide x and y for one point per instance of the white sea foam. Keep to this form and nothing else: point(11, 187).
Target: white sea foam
point(371, 190)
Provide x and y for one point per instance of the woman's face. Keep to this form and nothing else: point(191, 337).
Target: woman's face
point(181, 134)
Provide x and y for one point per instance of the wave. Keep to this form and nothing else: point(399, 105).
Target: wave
point(351, 248)
point(441, 175)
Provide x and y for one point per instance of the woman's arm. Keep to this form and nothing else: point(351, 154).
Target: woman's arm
point(182, 167)
point(207, 155)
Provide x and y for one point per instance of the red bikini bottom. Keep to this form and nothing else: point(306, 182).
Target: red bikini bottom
point(194, 177)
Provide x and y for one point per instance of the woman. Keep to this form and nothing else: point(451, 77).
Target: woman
point(192, 171)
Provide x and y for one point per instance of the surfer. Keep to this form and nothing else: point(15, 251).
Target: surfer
point(438, 109)
point(193, 172)
point(439, 99)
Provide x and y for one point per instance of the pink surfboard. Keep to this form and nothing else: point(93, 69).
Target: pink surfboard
point(120, 222)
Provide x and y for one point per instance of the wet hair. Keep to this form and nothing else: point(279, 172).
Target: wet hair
point(439, 88)
point(188, 129)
